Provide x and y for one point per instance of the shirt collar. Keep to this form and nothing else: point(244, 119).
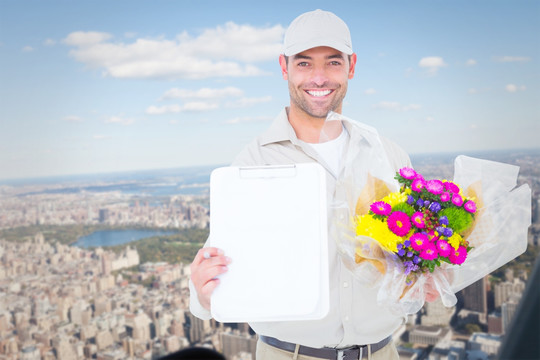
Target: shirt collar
point(281, 130)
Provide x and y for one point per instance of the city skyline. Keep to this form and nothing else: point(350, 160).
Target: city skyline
point(100, 87)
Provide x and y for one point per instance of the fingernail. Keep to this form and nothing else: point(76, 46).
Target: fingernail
point(206, 255)
point(220, 252)
point(228, 260)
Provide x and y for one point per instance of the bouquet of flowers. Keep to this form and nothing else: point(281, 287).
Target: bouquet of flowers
point(422, 225)
point(398, 232)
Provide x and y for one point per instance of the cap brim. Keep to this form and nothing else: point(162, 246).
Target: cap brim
point(298, 48)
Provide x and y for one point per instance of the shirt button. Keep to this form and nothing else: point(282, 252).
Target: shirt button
point(345, 284)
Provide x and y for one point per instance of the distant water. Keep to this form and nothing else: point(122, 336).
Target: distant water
point(166, 182)
point(106, 238)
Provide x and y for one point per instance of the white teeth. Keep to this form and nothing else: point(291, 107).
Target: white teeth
point(319, 92)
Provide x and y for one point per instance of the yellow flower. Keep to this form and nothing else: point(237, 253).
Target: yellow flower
point(455, 240)
point(395, 198)
point(366, 225)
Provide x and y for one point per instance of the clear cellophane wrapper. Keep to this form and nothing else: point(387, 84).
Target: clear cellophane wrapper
point(498, 234)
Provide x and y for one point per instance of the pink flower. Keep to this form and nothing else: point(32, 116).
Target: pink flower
point(418, 220)
point(399, 223)
point(470, 206)
point(429, 252)
point(418, 184)
point(458, 256)
point(419, 241)
point(445, 197)
point(450, 186)
point(444, 248)
point(435, 186)
point(457, 199)
point(407, 173)
point(432, 236)
point(381, 208)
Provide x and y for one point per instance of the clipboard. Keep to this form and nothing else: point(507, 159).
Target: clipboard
point(272, 222)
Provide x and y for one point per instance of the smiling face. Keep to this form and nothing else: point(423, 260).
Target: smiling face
point(317, 81)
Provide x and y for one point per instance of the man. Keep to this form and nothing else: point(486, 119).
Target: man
point(317, 62)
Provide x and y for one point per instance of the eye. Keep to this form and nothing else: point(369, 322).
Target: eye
point(335, 63)
point(303, 64)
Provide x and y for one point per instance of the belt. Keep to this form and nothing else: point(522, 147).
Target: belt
point(350, 353)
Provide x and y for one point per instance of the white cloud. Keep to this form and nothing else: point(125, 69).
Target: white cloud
point(472, 91)
point(49, 42)
point(395, 106)
point(86, 38)
point(223, 51)
point(514, 88)
point(27, 49)
point(471, 62)
point(432, 63)
point(204, 93)
point(119, 120)
point(196, 106)
point(370, 91)
point(505, 59)
point(246, 102)
point(73, 118)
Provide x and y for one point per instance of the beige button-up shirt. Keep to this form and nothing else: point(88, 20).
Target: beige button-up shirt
point(354, 318)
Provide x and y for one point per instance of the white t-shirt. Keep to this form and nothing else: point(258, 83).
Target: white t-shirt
point(332, 151)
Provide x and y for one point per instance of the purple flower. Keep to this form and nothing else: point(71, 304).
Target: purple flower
point(407, 243)
point(435, 186)
point(410, 254)
point(443, 220)
point(416, 259)
point(435, 207)
point(420, 202)
point(448, 232)
point(401, 252)
point(408, 173)
point(410, 199)
point(408, 267)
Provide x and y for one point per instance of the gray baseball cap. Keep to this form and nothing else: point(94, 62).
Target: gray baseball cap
point(317, 28)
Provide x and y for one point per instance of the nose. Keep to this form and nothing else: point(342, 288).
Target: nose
point(319, 76)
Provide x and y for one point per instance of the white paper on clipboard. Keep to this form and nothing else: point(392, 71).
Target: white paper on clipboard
point(272, 222)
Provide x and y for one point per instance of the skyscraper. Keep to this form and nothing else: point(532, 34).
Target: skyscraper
point(475, 297)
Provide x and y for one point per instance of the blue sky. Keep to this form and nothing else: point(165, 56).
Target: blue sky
point(102, 86)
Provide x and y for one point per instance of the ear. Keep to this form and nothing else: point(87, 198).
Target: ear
point(352, 66)
point(283, 65)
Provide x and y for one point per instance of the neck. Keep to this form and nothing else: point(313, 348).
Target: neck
point(313, 129)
